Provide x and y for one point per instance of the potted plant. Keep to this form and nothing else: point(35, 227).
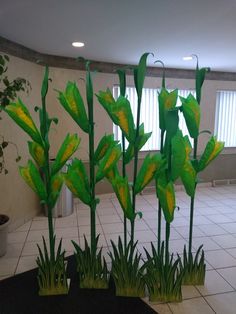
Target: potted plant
point(8, 92)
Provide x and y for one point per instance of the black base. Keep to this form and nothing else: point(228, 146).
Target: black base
point(19, 295)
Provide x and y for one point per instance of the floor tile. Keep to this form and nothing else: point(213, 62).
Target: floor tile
point(208, 244)
point(8, 265)
point(229, 274)
point(24, 227)
point(109, 219)
point(14, 250)
point(145, 236)
point(69, 221)
point(229, 227)
point(17, 237)
point(212, 230)
point(225, 241)
point(184, 231)
point(214, 283)
point(193, 306)
point(220, 218)
point(36, 235)
point(39, 225)
point(160, 308)
point(220, 259)
point(223, 303)
point(113, 228)
point(85, 230)
point(189, 292)
point(177, 246)
point(26, 263)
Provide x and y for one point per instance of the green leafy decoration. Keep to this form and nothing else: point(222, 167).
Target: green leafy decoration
point(120, 112)
point(77, 187)
point(191, 111)
point(67, 149)
point(143, 138)
point(150, 167)
point(200, 77)
point(167, 101)
point(188, 177)
point(78, 167)
point(73, 103)
point(32, 177)
point(121, 188)
point(179, 155)
point(109, 160)
point(20, 114)
point(139, 74)
point(106, 142)
point(56, 183)
point(166, 195)
point(212, 150)
point(37, 152)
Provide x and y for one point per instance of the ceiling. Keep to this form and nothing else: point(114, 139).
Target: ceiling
point(120, 31)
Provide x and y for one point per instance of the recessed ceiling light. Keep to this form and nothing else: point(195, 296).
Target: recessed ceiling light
point(77, 44)
point(188, 58)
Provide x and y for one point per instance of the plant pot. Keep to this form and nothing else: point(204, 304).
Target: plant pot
point(4, 223)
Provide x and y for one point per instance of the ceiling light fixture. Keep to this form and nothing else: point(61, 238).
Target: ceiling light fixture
point(77, 44)
point(188, 58)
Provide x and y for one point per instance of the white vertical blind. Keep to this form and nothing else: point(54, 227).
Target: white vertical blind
point(149, 114)
point(225, 119)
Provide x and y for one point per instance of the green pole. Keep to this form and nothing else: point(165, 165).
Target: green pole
point(124, 174)
point(159, 205)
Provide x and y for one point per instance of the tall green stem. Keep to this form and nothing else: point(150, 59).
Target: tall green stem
point(92, 179)
point(195, 144)
point(124, 174)
point(47, 179)
point(159, 203)
point(167, 243)
point(135, 166)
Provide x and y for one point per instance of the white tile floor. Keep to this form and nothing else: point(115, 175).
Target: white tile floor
point(214, 226)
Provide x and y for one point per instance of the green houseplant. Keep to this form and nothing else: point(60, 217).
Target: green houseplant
point(8, 92)
point(51, 262)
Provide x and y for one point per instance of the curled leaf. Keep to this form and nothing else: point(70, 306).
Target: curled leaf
point(20, 114)
point(167, 101)
point(32, 177)
point(67, 149)
point(105, 143)
point(150, 167)
point(73, 103)
point(191, 111)
point(212, 150)
point(77, 187)
point(56, 183)
point(108, 162)
point(121, 188)
point(37, 152)
point(188, 177)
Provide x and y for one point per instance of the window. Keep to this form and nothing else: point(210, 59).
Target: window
point(149, 114)
point(225, 119)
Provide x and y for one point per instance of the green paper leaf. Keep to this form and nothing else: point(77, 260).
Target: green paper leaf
point(37, 153)
point(112, 174)
point(105, 143)
point(191, 111)
point(76, 186)
point(200, 77)
point(44, 88)
point(212, 150)
point(166, 195)
point(78, 168)
point(20, 114)
point(139, 74)
point(143, 138)
point(167, 101)
point(73, 103)
point(56, 183)
point(188, 177)
point(32, 177)
point(121, 188)
point(122, 79)
point(108, 162)
point(150, 167)
point(89, 86)
point(67, 149)
point(179, 155)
